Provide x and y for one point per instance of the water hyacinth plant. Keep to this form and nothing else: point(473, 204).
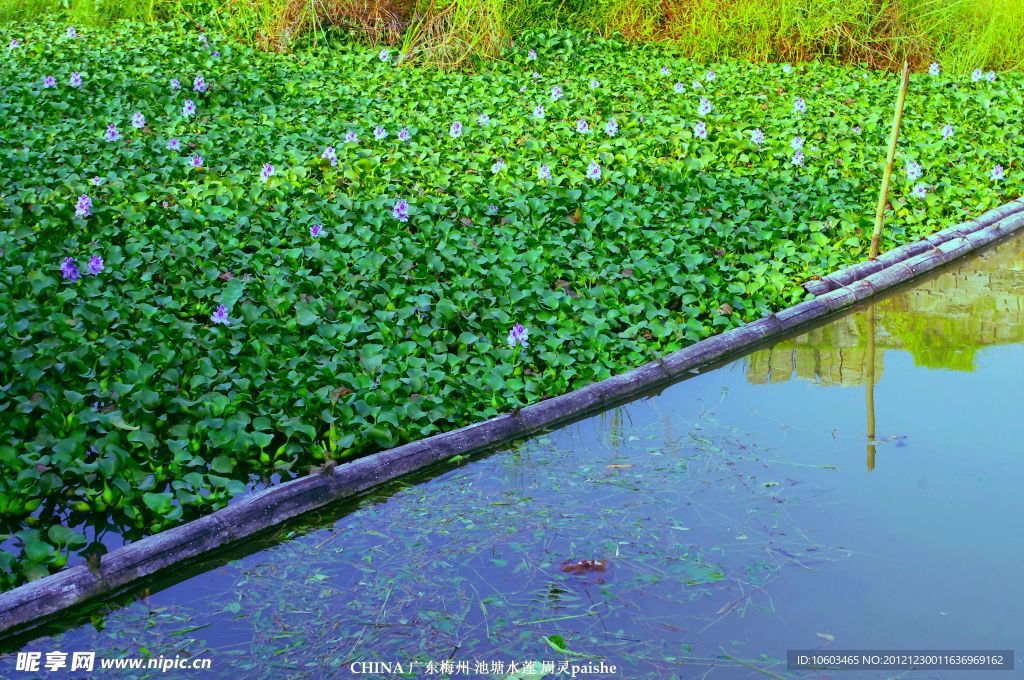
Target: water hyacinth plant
point(518, 336)
point(83, 208)
point(220, 316)
point(401, 210)
point(384, 275)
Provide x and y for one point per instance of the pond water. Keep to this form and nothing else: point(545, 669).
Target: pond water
point(699, 532)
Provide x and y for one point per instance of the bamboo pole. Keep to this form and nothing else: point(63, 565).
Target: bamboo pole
point(883, 194)
point(871, 387)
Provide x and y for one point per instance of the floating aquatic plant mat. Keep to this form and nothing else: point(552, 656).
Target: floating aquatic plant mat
point(632, 544)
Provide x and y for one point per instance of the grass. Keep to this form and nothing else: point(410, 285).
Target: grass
point(960, 34)
point(617, 200)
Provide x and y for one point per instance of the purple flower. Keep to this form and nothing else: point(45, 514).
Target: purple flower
point(75, 80)
point(197, 161)
point(138, 120)
point(384, 56)
point(95, 265)
point(797, 144)
point(199, 84)
point(455, 130)
point(704, 108)
point(947, 132)
point(96, 181)
point(112, 134)
point(330, 155)
point(498, 166)
point(538, 112)
point(189, 108)
point(665, 70)
point(697, 85)
point(71, 32)
point(351, 137)
point(709, 76)
point(15, 43)
point(998, 173)
point(914, 171)
point(49, 81)
point(173, 144)
point(518, 336)
point(919, 191)
point(856, 129)
point(316, 231)
point(492, 209)
point(786, 68)
point(379, 133)
point(757, 137)
point(556, 93)
point(594, 84)
point(484, 119)
point(266, 172)
point(800, 106)
point(69, 270)
point(798, 159)
point(175, 85)
point(202, 40)
point(934, 68)
point(404, 135)
point(593, 171)
point(216, 53)
point(401, 210)
point(700, 130)
point(531, 55)
point(83, 208)
point(220, 316)
point(679, 88)
point(582, 127)
point(990, 76)
point(977, 75)
point(543, 172)
point(611, 128)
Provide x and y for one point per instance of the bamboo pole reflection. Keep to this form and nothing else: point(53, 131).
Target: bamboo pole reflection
point(871, 386)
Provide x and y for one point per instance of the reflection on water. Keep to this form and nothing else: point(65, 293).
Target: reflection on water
point(731, 516)
point(942, 322)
